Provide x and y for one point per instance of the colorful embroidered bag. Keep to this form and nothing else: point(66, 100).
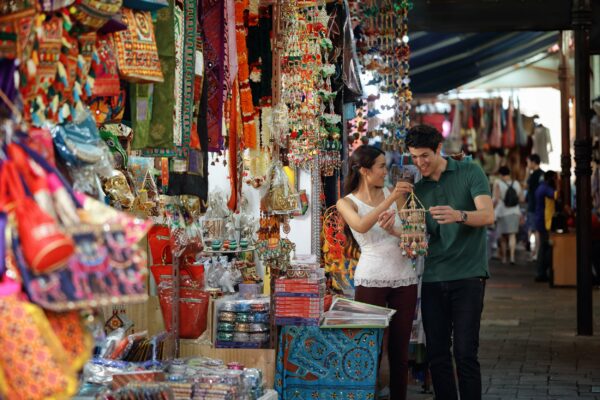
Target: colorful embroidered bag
point(93, 14)
point(137, 55)
point(104, 70)
point(45, 247)
point(16, 28)
point(34, 363)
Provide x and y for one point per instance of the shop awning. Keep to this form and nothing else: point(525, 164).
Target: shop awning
point(444, 61)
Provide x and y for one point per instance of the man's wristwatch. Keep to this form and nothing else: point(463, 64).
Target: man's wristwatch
point(463, 217)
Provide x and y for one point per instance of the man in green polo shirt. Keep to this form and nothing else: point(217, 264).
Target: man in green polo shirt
point(457, 195)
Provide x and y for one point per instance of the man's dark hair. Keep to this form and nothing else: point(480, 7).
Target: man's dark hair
point(423, 136)
point(534, 158)
point(504, 170)
point(550, 178)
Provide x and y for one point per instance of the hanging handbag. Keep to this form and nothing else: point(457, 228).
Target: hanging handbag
point(193, 309)
point(137, 54)
point(93, 14)
point(107, 110)
point(104, 68)
point(45, 247)
point(104, 270)
point(74, 337)
point(32, 358)
point(16, 29)
point(78, 143)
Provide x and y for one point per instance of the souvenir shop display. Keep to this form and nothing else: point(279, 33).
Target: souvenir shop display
point(109, 113)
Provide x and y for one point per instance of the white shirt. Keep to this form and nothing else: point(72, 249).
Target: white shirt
point(381, 263)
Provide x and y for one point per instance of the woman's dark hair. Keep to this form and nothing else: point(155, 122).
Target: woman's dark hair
point(423, 136)
point(363, 157)
point(504, 170)
point(550, 178)
point(534, 158)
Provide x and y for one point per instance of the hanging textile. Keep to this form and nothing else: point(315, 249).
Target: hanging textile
point(542, 143)
point(230, 54)
point(495, 138)
point(173, 104)
point(260, 58)
point(234, 119)
point(212, 21)
point(521, 131)
point(247, 106)
point(510, 135)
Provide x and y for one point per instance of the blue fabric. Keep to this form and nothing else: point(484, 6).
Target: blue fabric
point(315, 363)
point(543, 191)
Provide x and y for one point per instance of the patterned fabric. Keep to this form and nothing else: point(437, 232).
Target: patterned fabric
point(73, 335)
point(16, 34)
point(94, 13)
point(104, 68)
point(172, 129)
point(32, 358)
point(137, 54)
point(336, 364)
point(212, 20)
point(247, 106)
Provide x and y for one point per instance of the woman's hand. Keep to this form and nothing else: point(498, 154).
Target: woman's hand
point(401, 189)
point(386, 220)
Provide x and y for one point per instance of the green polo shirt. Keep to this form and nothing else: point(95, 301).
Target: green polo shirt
point(456, 251)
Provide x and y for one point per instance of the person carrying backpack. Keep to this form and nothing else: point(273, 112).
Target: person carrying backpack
point(507, 195)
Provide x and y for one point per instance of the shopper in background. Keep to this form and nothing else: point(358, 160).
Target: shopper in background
point(507, 195)
point(545, 198)
point(383, 276)
point(457, 196)
point(536, 176)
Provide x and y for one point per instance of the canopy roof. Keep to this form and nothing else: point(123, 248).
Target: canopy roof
point(444, 61)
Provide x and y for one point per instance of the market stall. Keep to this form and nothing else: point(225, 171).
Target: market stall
point(162, 167)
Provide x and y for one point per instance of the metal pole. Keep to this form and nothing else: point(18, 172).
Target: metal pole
point(582, 19)
point(565, 159)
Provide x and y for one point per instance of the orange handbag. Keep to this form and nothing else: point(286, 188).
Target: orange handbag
point(45, 247)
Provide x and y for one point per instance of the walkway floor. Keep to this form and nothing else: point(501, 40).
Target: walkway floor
point(529, 348)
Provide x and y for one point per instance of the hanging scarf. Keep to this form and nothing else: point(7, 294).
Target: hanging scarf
point(510, 135)
point(212, 19)
point(173, 105)
point(247, 107)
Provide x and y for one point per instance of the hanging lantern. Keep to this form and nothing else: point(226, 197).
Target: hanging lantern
point(413, 240)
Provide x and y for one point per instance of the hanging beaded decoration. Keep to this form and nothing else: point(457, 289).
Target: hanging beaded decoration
point(413, 240)
point(403, 94)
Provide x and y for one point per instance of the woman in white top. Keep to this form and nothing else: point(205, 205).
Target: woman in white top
point(383, 276)
point(508, 217)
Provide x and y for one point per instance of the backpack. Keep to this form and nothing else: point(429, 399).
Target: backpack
point(511, 197)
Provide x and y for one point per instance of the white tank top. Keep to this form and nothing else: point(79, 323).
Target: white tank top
point(381, 263)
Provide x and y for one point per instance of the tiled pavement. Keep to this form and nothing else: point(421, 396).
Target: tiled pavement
point(529, 348)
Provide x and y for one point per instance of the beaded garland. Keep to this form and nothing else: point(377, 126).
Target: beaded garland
point(306, 89)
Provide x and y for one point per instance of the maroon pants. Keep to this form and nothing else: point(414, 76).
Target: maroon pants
point(402, 299)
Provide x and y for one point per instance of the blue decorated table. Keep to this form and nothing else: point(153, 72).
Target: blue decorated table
point(336, 364)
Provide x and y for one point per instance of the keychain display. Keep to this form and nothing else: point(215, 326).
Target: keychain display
point(413, 240)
